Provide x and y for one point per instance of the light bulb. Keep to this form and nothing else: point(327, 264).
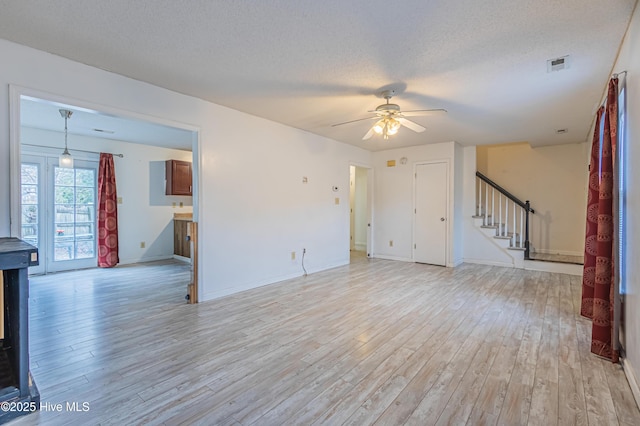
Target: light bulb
point(65, 160)
point(394, 125)
point(378, 127)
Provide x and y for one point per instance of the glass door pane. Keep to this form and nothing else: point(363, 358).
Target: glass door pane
point(74, 213)
point(32, 203)
point(30, 187)
point(72, 220)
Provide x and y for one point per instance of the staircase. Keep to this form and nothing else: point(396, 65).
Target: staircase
point(504, 219)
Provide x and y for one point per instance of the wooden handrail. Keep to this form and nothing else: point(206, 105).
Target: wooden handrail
point(506, 193)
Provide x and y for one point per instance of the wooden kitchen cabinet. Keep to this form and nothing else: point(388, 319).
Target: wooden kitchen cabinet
point(179, 178)
point(181, 223)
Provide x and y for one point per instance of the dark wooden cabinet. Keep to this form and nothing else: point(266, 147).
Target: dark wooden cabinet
point(181, 244)
point(179, 175)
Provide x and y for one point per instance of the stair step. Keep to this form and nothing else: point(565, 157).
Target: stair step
point(516, 248)
point(502, 237)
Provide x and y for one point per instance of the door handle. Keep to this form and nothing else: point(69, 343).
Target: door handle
point(442, 219)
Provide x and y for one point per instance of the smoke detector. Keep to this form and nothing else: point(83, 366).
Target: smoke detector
point(558, 64)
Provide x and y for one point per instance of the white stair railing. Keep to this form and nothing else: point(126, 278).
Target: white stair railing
point(495, 204)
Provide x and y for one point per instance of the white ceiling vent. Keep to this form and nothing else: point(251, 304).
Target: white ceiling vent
point(558, 64)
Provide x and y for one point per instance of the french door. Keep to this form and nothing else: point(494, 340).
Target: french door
point(59, 212)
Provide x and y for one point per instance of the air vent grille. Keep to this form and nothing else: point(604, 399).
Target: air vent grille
point(558, 64)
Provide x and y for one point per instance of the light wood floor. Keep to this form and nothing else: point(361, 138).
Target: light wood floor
point(374, 342)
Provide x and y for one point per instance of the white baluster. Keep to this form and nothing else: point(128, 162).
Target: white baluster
point(515, 226)
point(521, 223)
point(486, 203)
point(479, 196)
point(493, 206)
point(506, 217)
point(500, 231)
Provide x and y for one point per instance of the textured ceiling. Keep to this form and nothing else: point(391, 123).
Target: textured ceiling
point(310, 64)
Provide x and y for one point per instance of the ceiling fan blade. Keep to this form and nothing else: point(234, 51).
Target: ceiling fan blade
point(411, 125)
point(416, 112)
point(353, 121)
point(368, 134)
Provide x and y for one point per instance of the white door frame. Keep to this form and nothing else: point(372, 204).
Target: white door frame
point(41, 162)
point(17, 92)
point(449, 217)
point(370, 215)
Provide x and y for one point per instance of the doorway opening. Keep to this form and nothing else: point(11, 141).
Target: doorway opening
point(360, 214)
point(55, 207)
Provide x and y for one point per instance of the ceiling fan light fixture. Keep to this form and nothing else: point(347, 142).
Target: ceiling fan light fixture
point(379, 127)
point(393, 125)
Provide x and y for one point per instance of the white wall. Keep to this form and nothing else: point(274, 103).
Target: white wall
point(459, 212)
point(360, 208)
point(629, 60)
point(393, 199)
point(554, 179)
point(477, 246)
point(253, 208)
point(140, 183)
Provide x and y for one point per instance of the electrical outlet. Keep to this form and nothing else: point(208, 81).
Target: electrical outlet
point(181, 204)
point(390, 243)
point(293, 255)
point(173, 204)
point(142, 244)
point(304, 251)
point(119, 200)
point(337, 200)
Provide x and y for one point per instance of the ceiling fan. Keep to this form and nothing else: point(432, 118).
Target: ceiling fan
point(390, 118)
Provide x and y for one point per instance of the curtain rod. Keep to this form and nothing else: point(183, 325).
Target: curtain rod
point(72, 149)
point(614, 75)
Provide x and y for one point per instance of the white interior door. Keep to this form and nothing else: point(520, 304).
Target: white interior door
point(430, 224)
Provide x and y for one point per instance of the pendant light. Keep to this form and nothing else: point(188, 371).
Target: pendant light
point(65, 160)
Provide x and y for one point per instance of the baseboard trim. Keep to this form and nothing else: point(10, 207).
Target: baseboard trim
point(562, 252)
point(247, 286)
point(455, 263)
point(560, 268)
point(385, 257)
point(488, 262)
point(631, 378)
point(144, 259)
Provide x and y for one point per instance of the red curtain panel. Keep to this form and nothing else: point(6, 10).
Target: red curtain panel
point(107, 213)
point(591, 233)
point(598, 278)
